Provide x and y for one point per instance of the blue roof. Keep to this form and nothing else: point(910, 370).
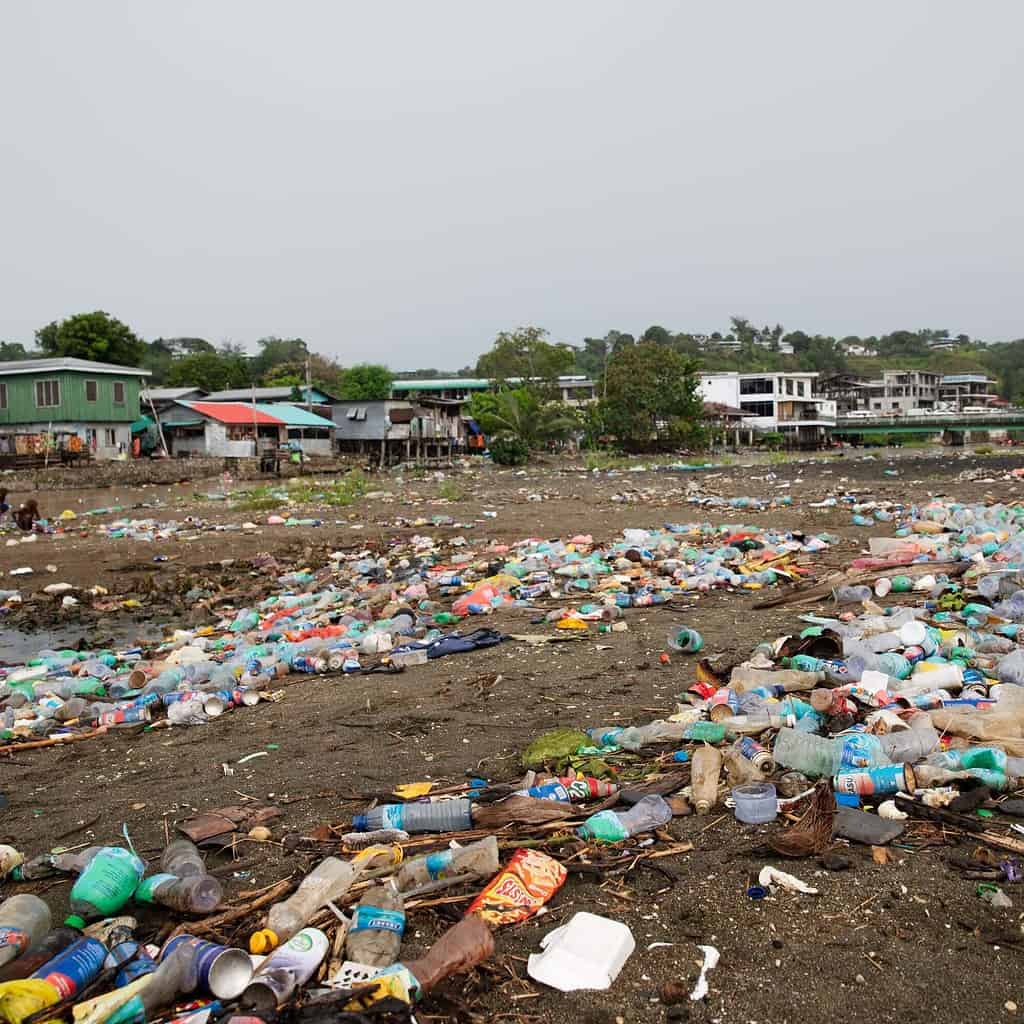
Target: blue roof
point(293, 416)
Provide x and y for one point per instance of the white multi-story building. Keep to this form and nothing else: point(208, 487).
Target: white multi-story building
point(786, 403)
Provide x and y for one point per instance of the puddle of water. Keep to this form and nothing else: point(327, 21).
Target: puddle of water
point(17, 646)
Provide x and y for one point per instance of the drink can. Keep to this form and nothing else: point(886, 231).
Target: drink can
point(891, 778)
point(757, 755)
point(176, 695)
point(124, 716)
point(723, 704)
point(931, 701)
point(220, 970)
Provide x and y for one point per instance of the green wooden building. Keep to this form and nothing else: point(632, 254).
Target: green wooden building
point(46, 403)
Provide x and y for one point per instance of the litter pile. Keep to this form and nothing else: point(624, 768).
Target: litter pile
point(363, 612)
point(878, 723)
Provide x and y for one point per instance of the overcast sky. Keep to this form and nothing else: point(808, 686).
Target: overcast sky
point(400, 181)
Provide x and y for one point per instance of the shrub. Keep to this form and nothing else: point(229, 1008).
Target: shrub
point(509, 451)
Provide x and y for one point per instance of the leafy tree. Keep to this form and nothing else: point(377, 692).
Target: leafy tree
point(211, 371)
point(652, 397)
point(523, 354)
point(12, 350)
point(97, 336)
point(523, 414)
point(366, 381)
point(593, 358)
point(656, 335)
point(275, 351)
point(324, 373)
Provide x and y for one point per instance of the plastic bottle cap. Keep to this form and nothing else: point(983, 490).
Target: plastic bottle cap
point(359, 822)
point(263, 941)
point(74, 921)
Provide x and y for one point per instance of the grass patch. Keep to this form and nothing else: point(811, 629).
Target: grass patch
point(450, 491)
point(779, 458)
point(334, 493)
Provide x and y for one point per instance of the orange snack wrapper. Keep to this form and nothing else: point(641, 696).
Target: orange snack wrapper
point(520, 889)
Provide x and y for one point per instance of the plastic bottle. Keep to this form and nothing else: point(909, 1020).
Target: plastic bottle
point(818, 755)
point(45, 865)
point(443, 816)
point(24, 921)
point(105, 885)
point(378, 922)
point(909, 745)
point(181, 857)
point(328, 881)
point(285, 970)
point(477, 860)
point(196, 894)
point(461, 947)
point(739, 768)
point(704, 776)
point(613, 826)
point(72, 969)
point(744, 678)
point(851, 595)
point(39, 954)
point(635, 737)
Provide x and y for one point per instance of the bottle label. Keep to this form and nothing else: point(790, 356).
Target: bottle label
point(608, 738)
point(439, 863)
point(146, 892)
point(605, 827)
point(368, 918)
point(394, 815)
point(13, 937)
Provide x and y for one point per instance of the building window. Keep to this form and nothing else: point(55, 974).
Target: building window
point(876, 405)
point(758, 408)
point(110, 436)
point(3, 394)
point(789, 387)
point(91, 390)
point(118, 392)
point(47, 393)
point(800, 386)
point(757, 386)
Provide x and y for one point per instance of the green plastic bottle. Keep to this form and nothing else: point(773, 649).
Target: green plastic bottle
point(105, 885)
point(710, 732)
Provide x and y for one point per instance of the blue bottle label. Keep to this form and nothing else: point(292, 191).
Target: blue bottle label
point(393, 816)
point(439, 863)
point(368, 918)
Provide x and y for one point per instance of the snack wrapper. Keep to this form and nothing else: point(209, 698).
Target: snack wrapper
point(520, 889)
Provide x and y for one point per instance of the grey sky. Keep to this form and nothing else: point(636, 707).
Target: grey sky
point(399, 181)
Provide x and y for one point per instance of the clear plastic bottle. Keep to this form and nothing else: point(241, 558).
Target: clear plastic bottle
point(378, 922)
point(613, 826)
point(852, 595)
point(909, 745)
point(443, 816)
point(196, 894)
point(818, 755)
point(181, 857)
point(704, 775)
point(476, 860)
point(744, 678)
point(328, 881)
point(24, 921)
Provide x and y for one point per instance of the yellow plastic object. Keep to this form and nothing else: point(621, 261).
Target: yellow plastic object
point(264, 941)
point(571, 623)
point(67, 514)
point(379, 856)
point(412, 790)
point(398, 985)
point(20, 999)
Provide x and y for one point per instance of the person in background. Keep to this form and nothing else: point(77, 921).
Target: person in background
point(5, 506)
point(27, 516)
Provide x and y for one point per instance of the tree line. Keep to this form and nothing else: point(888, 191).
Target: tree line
point(196, 362)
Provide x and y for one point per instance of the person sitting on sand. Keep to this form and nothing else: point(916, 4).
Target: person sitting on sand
point(27, 516)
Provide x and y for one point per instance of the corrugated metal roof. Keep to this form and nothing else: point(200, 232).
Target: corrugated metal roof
point(272, 394)
point(172, 394)
point(293, 416)
point(442, 384)
point(233, 412)
point(68, 363)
